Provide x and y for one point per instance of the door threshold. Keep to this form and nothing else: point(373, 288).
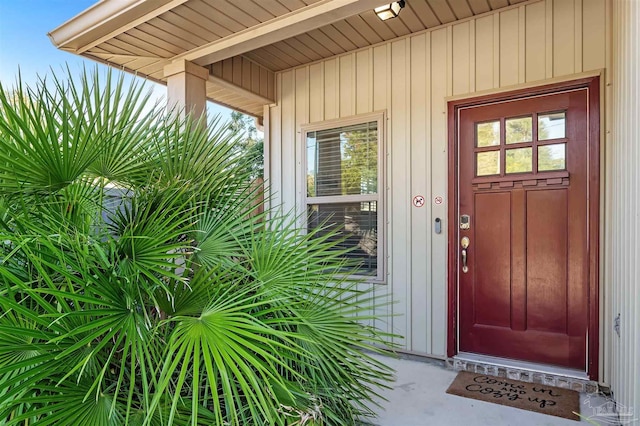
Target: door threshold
point(523, 365)
point(524, 371)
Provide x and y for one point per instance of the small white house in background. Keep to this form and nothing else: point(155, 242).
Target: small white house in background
point(481, 156)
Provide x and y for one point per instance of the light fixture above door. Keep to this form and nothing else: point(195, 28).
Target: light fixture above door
point(388, 11)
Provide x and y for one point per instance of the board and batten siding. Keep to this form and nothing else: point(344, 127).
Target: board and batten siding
point(623, 203)
point(410, 79)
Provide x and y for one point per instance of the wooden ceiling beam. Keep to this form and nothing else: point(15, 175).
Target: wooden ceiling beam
point(299, 21)
point(240, 91)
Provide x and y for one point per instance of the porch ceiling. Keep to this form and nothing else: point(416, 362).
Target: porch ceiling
point(244, 42)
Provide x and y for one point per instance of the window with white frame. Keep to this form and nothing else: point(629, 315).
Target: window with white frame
point(344, 187)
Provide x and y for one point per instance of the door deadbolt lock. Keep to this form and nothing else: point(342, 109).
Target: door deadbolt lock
point(465, 222)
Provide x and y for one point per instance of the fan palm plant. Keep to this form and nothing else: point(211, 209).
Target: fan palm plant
point(138, 285)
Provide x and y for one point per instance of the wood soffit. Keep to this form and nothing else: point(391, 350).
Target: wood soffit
point(143, 36)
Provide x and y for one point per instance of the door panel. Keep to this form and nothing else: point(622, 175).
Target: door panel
point(546, 247)
point(492, 251)
point(523, 175)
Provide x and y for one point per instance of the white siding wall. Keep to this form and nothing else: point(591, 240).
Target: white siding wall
point(624, 242)
point(410, 79)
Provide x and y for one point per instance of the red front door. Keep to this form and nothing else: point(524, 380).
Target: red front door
point(523, 215)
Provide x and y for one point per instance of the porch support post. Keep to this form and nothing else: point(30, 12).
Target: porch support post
point(623, 227)
point(186, 87)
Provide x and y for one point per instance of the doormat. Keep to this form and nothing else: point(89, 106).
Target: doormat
point(514, 393)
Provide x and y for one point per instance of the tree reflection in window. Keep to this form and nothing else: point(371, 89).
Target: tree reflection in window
point(342, 179)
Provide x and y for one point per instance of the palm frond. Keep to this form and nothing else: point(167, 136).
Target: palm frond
point(141, 285)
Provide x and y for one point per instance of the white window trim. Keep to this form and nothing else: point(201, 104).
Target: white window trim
point(379, 198)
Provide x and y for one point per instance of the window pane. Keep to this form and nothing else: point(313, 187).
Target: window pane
point(518, 130)
point(343, 161)
point(551, 126)
point(519, 160)
point(488, 134)
point(358, 223)
point(488, 163)
point(551, 157)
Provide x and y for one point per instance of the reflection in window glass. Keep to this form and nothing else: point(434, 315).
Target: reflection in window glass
point(551, 126)
point(518, 160)
point(488, 163)
point(551, 157)
point(519, 130)
point(354, 227)
point(343, 161)
point(488, 134)
point(342, 180)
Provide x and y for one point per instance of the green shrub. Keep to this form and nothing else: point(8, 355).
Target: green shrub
point(139, 285)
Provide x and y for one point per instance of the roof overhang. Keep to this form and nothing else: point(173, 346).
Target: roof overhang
point(243, 43)
point(104, 20)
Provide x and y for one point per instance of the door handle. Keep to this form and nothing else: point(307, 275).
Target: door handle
point(464, 242)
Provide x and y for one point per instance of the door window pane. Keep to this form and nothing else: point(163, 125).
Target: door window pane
point(518, 160)
point(343, 161)
point(488, 163)
point(551, 157)
point(551, 126)
point(488, 134)
point(518, 130)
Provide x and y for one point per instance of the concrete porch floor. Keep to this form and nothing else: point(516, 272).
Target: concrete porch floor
point(419, 398)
